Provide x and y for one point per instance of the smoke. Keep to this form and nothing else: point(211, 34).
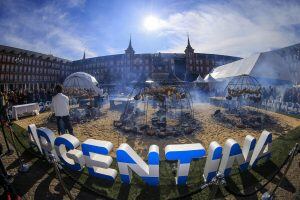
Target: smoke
point(199, 96)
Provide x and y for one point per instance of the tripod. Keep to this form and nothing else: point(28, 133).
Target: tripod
point(5, 122)
point(23, 166)
point(9, 151)
point(6, 181)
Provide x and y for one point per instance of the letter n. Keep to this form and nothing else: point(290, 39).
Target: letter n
point(129, 161)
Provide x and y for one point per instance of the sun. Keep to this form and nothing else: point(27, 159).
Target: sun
point(152, 23)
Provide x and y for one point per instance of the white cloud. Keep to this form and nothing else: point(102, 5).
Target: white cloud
point(43, 30)
point(233, 27)
point(76, 3)
point(112, 50)
point(239, 28)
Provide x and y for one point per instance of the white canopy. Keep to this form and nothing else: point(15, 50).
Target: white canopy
point(265, 66)
point(209, 79)
point(81, 80)
point(199, 80)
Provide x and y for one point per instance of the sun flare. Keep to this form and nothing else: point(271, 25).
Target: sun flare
point(152, 23)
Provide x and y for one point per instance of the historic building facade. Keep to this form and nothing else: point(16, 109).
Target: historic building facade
point(31, 70)
point(21, 68)
point(26, 69)
point(131, 66)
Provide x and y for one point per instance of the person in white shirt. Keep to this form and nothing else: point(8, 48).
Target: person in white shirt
point(60, 106)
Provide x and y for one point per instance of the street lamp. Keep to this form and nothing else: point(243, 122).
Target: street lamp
point(19, 60)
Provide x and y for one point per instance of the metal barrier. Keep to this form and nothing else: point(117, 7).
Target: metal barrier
point(218, 181)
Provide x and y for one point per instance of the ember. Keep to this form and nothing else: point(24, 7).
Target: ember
point(158, 109)
point(246, 118)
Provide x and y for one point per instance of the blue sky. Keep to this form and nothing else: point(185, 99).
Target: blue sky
point(101, 27)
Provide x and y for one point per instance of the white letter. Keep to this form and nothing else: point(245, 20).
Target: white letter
point(65, 147)
point(184, 153)
point(128, 158)
point(262, 149)
point(97, 160)
point(46, 139)
point(212, 161)
point(233, 152)
point(33, 137)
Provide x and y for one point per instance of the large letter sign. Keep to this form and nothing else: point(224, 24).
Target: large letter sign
point(97, 160)
point(46, 141)
point(184, 153)
point(128, 158)
point(233, 152)
point(262, 149)
point(94, 155)
point(65, 147)
point(212, 161)
point(33, 136)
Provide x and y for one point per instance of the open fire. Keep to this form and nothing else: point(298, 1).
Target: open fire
point(157, 109)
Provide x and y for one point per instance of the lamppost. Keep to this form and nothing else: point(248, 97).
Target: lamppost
point(19, 61)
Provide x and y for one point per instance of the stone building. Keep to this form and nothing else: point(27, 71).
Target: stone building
point(131, 66)
point(25, 69)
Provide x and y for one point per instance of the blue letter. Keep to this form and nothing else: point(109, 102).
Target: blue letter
point(97, 160)
point(233, 152)
point(46, 140)
point(212, 161)
point(128, 158)
point(65, 147)
point(184, 153)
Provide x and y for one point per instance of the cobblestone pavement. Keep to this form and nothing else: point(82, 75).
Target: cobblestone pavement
point(41, 183)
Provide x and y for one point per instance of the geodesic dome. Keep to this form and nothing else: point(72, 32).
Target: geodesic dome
point(158, 110)
point(245, 86)
point(81, 80)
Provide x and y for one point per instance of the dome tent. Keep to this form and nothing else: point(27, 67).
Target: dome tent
point(81, 80)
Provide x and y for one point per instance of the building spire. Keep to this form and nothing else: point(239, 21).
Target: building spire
point(83, 58)
point(189, 44)
point(129, 49)
point(189, 48)
point(130, 42)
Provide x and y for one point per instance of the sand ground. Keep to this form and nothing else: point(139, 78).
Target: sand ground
point(102, 129)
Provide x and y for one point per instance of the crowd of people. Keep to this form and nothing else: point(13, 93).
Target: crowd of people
point(23, 96)
point(80, 92)
point(292, 95)
point(270, 93)
point(16, 97)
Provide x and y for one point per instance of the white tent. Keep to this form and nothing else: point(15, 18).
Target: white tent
point(268, 66)
point(199, 79)
point(81, 80)
point(209, 79)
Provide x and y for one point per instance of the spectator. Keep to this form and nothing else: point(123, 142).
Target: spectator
point(60, 106)
point(292, 95)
